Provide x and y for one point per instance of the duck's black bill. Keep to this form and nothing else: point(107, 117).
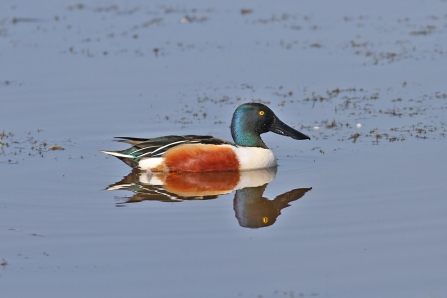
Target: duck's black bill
point(283, 129)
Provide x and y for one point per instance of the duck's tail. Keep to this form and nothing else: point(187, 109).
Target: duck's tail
point(126, 158)
point(116, 154)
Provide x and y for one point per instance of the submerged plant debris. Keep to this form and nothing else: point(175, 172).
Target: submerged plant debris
point(16, 148)
point(356, 113)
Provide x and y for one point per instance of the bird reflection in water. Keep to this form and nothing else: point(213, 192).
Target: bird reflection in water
point(252, 210)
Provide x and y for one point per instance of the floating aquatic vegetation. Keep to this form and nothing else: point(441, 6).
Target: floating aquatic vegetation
point(16, 147)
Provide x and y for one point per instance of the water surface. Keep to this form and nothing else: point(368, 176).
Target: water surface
point(366, 81)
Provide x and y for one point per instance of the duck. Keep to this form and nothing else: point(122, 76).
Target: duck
point(197, 153)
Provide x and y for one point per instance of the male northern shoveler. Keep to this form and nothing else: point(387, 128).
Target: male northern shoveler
point(193, 153)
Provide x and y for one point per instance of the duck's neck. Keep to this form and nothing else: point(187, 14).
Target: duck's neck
point(246, 139)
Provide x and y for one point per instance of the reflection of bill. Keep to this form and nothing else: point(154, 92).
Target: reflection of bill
point(252, 210)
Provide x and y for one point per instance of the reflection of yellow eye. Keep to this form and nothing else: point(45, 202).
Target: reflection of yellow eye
point(261, 113)
point(265, 219)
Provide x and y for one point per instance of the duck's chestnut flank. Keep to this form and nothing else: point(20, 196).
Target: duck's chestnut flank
point(201, 158)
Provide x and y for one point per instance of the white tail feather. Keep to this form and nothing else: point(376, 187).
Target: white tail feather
point(118, 187)
point(116, 154)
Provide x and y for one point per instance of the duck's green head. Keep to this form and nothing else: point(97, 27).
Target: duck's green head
point(252, 119)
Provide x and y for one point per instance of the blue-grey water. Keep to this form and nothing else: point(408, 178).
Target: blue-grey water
point(365, 80)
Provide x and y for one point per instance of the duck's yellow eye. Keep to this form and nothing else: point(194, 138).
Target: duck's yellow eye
point(265, 219)
point(261, 113)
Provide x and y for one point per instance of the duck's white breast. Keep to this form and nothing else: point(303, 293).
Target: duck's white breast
point(251, 158)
